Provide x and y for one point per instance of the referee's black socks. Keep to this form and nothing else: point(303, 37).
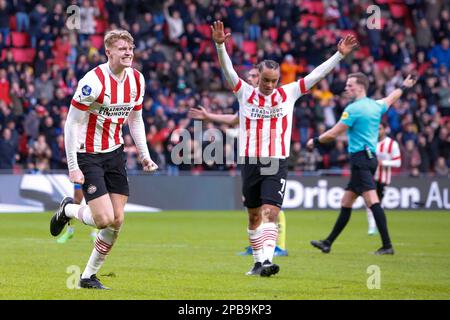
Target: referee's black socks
point(380, 219)
point(340, 224)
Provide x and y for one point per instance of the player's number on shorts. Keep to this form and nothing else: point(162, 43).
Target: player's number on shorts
point(283, 187)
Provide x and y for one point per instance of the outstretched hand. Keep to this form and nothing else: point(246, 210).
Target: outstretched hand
point(218, 34)
point(347, 44)
point(198, 113)
point(409, 81)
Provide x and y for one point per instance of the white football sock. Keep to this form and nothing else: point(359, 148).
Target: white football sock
point(103, 244)
point(256, 242)
point(82, 213)
point(371, 219)
point(270, 236)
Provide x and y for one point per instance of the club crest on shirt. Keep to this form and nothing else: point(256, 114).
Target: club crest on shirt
point(86, 90)
point(133, 94)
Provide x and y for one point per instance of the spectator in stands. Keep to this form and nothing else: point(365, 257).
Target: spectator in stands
point(44, 87)
point(4, 87)
point(88, 14)
point(40, 154)
point(8, 149)
point(440, 54)
point(441, 168)
point(279, 30)
point(5, 11)
point(338, 156)
point(304, 117)
point(289, 70)
point(174, 23)
point(410, 158)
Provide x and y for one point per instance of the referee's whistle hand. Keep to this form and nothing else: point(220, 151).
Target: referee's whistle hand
point(76, 176)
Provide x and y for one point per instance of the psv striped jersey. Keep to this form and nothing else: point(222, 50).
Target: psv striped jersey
point(265, 122)
point(388, 154)
point(108, 102)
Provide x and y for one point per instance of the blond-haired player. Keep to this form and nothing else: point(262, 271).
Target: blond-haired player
point(106, 97)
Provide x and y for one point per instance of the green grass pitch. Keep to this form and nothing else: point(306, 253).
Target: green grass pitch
point(193, 255)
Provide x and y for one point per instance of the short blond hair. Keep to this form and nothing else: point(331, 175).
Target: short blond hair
point(114, 35)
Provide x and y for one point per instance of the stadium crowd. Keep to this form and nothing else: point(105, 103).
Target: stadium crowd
point(41, 59)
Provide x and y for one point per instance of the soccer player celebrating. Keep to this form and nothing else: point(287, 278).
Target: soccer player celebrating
point(200, 113)
point(265, 123)
point(388, 156)
point(105, 98)
point(361, 120)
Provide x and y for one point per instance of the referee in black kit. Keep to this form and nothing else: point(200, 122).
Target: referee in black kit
point(361, 120)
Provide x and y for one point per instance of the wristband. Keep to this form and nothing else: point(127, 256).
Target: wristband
point(316, 142)
point(403, 88)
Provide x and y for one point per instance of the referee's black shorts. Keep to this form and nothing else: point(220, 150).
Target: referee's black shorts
point(362, 171)
point(263, 182)
point(103, 173)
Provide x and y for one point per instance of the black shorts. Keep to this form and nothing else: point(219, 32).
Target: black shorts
point(103, 173)
point(362, 171)
point(264, 183)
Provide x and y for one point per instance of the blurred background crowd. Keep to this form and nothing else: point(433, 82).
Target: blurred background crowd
point(41, 60)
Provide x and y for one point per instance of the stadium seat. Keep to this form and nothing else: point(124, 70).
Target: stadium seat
point(398, 11)
point(205, 30)
point(325, 33)
point(97, 41)
point(3, 56)
point(273, 33)
point(100, 26)
point(12, 23)
point(314, 7)
point(20, 39)
point(382, 65)
point(362, 52)
point(318, 8)
point(249, 47)
point(342, 33)
point(23, 55)
point(203, 45)
point(316, 22)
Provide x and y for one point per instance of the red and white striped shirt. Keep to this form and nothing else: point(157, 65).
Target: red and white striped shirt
point(265, 122)
point(108, 102)
point(388, 154)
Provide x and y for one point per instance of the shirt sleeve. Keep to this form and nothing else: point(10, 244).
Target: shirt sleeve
point(75, 119)
point(138, 105)
point(137, 130)
point(395, 157)
point(294, 89)
point(87, 92)
point(384, 106)
point(349, 116)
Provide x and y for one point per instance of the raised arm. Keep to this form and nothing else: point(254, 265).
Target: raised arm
point(219, 38)
point(200, 113)
point(397, 93)
point(345, 46)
